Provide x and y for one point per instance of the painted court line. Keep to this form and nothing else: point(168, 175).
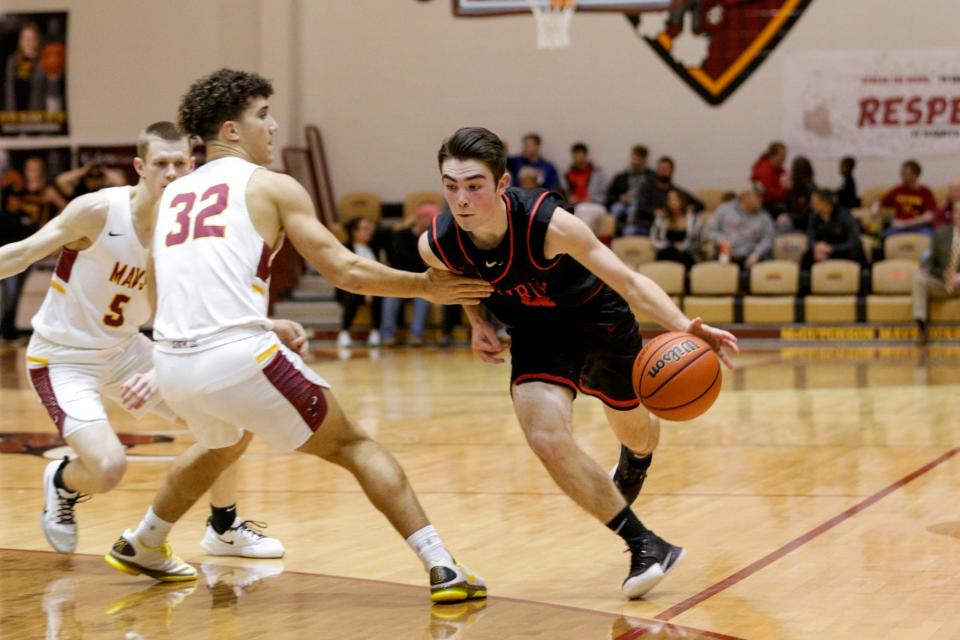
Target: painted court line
point(801, 540)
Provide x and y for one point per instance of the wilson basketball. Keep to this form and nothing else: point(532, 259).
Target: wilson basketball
point(677, 376)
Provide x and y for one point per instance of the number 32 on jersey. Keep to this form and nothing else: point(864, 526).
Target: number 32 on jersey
point(217, 196)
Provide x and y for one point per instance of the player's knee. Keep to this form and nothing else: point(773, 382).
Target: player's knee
point(108, 470)
point(549, 444)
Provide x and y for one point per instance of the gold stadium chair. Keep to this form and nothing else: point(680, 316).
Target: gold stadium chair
point(633, 250)
point(892, 287)
point(945, 310)
point(869, 244)
point(773, 290)
point(669, 275)
point(907, 246)
point(834, 285)
point(606, 227)
point(359, 205)
point(713, 286)
point(417, 198)
point(790, 246)
point(871, 195)
point(940, 194)
point(712, 197)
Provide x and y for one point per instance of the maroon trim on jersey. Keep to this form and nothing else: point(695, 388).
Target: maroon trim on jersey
point(548, 378)
point(40, 377)
point(621, 405)
point(65, 264)
point(533, 214)
point(263, 268)
point(436, 241)
point(305, 395)
point(595, 292)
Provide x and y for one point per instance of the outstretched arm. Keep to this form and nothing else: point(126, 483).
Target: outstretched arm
point(346, 270)
point(568, 234)
point(82, 219)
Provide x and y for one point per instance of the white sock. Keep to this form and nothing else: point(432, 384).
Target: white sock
point(153, 531)
point(428, 546)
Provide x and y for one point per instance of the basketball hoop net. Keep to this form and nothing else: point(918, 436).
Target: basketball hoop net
point(553, 22)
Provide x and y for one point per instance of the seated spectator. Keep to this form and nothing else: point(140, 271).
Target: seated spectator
point(797, 216)
point(741, 229)
point(768, 171)
point(404, 255)
point(663, 184)
point(547, 176)
point(913, 203)
point(677, 230)
point(88, 179)
point(359, 234)
point(944, 216)
point(629, 187)
point(583, 180)
point(833, 234)
point(728, 196)
point(939, 277)
point(528, 178)
point(847, 196)
point(37, 198)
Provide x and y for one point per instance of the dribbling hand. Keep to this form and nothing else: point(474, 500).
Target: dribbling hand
point(723, 342)
point(485, 343)
point(444, 287)
point(138, 390)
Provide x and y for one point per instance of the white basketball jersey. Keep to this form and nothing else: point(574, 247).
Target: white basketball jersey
point(212, 267)
point(98, 296)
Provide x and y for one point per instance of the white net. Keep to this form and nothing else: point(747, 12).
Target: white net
point(553, 22)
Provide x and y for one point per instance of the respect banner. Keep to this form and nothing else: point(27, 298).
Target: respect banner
point(33, 80)
point(873, 103)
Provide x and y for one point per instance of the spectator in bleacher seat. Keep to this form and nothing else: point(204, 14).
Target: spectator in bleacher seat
point(664, 184)
point(528, 178)
point(88, 179)
point(547, 176)
point(359, 236)
point(403, 254)
point(913, 203)
point(741, 229)
point(629, 187)
point(584, 180)
point(939, 277)
point(676, 233)
point(768, 170)
point(847, 196)
point(944, 215)
point(802, 184)
point(832, 234)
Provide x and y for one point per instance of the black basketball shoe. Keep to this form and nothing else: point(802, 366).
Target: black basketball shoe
point(651, 558)
point(630, 473)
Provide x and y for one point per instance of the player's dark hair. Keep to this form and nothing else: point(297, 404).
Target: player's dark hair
point(914, 166)
point(475, 143)
point(218, 97)
point(579, 146)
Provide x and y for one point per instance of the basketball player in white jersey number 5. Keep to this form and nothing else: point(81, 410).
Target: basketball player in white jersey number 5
point(87, 342)
point(218, 364)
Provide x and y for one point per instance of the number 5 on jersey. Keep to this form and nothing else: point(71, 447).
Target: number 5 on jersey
point(115, 319)
point(201, 229)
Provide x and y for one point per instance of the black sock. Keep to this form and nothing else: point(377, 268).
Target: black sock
point(627, 525)
point(222, 517)
point(639, 462)
point(58, 477)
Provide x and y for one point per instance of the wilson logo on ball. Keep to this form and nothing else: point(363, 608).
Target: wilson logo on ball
point(673, 355)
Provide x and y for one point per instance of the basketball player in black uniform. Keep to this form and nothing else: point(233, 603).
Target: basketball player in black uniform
point(567, 300)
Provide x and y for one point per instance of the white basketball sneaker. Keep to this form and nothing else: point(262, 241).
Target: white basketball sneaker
point(57, 518)
point(455, 583)
point(131, 556)
point(241, 540)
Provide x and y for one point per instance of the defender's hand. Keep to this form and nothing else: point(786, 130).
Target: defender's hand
point(444, 287)
point(138, 390)
point(292, 335)
point(723, 342)
point(484, 342)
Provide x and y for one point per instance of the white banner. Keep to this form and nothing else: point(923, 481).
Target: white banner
point(873, 103)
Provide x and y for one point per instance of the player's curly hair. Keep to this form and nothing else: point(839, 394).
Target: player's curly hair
point(218, 97)
point(476, 143)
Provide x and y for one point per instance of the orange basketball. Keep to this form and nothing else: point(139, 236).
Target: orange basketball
point(677, 376)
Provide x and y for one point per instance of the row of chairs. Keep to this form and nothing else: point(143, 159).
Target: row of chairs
point(369, 205)
point(774, 286)
point(637, 250)
point(713, 196)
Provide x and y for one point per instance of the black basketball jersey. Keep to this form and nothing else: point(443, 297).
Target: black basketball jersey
point(528, 288)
